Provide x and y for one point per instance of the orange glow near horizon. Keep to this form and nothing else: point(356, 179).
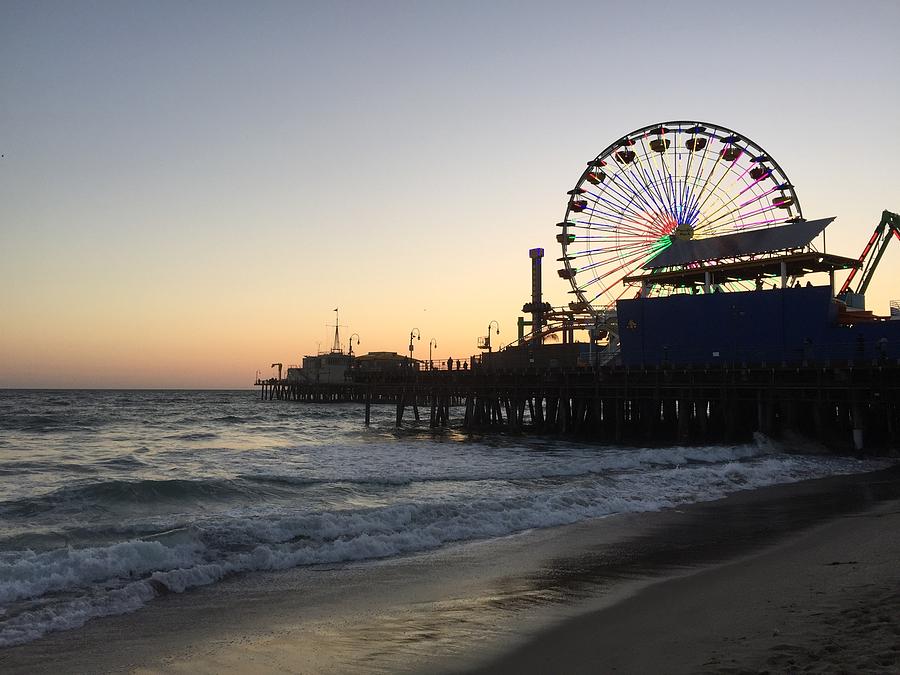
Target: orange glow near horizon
point(177, 341)
point(187, 192)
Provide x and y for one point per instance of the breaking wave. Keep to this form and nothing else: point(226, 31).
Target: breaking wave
point(44, 591)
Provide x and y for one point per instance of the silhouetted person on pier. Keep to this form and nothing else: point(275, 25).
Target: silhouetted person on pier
point(449, 364)
point(457, 364)
point(466, 364)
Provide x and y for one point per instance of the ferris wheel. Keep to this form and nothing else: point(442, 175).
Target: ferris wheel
point(665, 182)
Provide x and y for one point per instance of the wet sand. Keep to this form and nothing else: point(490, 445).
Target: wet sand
point(828, 601)
point(775, 579)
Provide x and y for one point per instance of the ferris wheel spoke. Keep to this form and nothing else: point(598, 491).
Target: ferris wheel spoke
point(741, 227)
point(738, 176)
point(622, 292)
point(623, 212)
point(756, 185)
point(772, 190)
point(622, 199)
point(619, 240)
point(682, 192)
point(711, 191)
point(579, 225)
point(725, 209)
point(765, 209)
point(735, 183)
point(710, 183)
point(729, 168)
point(667, 211)
point(639, 188)
point(617, 296)
point(697, 178)
point(664, 175)
point(625, 268)
point(642, 216)
point(618, 221)
point(612, 256)
point(650, 184)
point(695, 205)
point(664, 178)
point(610, 201)
point(598, 264)
point(737, 211)
point(636, 223)
point(630, 241)
point(615, 198)
point(739, 222)
point(606, 289)
point(589, 253)
point(700, 182)
point(622, 188)
point(693, 183)
point(649, 179)
point(609, 234)
point(673, 178)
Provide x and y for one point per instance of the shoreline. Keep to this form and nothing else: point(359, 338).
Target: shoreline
point(827, 600)
point(456, 609)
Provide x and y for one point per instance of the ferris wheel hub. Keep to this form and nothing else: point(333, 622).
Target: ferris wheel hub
point(683, 232)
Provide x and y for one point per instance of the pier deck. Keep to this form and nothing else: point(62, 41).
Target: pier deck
point(854, 406)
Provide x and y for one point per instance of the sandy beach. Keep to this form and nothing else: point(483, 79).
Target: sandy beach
point(788, 578)
point(828, 600)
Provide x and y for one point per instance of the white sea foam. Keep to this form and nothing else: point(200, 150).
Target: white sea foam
point(27, 574)
point(124, 576)
point(30, 625)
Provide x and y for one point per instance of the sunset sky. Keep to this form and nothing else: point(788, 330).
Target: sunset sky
point(188, 189)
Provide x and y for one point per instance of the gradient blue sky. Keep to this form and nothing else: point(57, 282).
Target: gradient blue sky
point(188, 189)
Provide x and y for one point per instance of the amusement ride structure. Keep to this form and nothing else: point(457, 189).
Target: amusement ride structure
point(688, 256)
point(675, 181)
point(887, 228)
point(683, 207)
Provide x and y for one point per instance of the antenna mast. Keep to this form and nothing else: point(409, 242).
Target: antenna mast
point(336, 347)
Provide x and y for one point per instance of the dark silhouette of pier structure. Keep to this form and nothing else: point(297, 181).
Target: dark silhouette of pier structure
point(839, 407)
point(690, 365)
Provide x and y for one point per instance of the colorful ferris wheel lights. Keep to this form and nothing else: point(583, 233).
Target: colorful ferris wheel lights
point(676, 180)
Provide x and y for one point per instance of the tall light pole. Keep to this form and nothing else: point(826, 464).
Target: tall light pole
point(487, 339)
point(414, 333)
point(431, 343)
point(355, 335)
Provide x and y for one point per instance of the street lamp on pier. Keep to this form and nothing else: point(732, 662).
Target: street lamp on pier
point(487, 339)
point(431, 343)
point(417, 334)
point(355, 335)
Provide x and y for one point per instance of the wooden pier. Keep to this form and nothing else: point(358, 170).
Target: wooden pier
point(844, 408)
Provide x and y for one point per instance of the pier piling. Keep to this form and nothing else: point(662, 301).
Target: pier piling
point(854, 408)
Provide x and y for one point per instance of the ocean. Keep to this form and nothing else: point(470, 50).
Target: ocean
point(110, 499)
